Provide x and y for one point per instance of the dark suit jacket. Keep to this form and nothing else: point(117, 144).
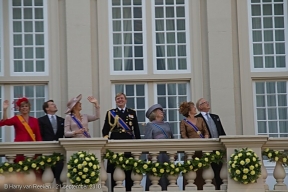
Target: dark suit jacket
point(129, 117)
point(47, 129)
point(217, 122)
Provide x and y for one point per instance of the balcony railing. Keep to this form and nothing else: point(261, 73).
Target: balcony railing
point(172, 147)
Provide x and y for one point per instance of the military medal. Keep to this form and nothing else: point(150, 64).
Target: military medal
point(130, 123)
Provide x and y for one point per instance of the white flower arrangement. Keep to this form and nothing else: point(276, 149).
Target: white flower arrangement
point(244, 166)
point(83, 169)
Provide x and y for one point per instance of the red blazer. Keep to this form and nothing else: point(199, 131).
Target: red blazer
point(21, 133)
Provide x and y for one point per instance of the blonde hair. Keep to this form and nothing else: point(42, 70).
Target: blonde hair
point(152, 116)
point(185, 107)
point(119, 94)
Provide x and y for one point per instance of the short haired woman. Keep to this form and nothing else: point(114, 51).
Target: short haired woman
point(193, 127)
point(158, 129)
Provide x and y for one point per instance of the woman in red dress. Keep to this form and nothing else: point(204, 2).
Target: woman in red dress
point(26, 127)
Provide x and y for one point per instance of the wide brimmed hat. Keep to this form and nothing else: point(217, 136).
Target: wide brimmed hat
point(152, 108)
point(72, 103)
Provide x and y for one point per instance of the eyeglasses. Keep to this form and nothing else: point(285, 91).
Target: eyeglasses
point(204, 102)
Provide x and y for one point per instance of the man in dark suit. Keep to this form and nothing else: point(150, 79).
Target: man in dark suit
point(52, 128)
point(215, 129)
point(125, 128)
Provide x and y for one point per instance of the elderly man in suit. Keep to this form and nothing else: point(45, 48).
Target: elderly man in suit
point(52, 128)
point(215, 129)
point(121, 123)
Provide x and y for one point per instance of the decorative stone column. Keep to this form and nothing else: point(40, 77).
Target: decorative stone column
point(191, 175)
point(172, 178)
point(103, 174)
point(63, 175)
point(224, 173)
point(90, 145)
point(208, 175)
point(136, 177)
point(279, 174)
point(154, 179)
point(242, 141)
point(47, 176)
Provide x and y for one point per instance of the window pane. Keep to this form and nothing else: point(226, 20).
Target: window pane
point(161, 89)
point(136, 95)
point(271, 106)
point(40, 66)
point(267, 19)
point(171, 42)
point(17, 39)
point(28, 33)
point(170, 101)
point(262, 128)
point(127, 30)
point(36, 94)
point(29, 67)
point(140, 90)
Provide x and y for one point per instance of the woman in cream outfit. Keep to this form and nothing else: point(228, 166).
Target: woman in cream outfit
point(72, 128)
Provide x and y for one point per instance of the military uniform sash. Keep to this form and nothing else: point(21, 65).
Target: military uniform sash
point(122, 123)
point(27, 127)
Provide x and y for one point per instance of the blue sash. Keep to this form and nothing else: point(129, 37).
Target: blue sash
point(80, 126)
point(123, 124)
point(195, 128)
point(161, 130)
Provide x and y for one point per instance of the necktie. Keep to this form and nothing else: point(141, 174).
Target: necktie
point(212, 127)
point(122, 110)
point(54, 123)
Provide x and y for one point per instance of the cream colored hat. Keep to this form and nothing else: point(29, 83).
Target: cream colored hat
point(72, 103)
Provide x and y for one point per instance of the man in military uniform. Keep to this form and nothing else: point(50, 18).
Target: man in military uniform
point(121, 123)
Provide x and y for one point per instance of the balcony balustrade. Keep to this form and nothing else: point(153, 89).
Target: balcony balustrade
point(98, 146)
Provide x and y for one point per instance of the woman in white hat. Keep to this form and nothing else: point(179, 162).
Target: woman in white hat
point(158, 129)
point(76, 124)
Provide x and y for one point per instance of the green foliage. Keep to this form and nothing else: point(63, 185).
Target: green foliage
point(83, 169)
point(159, 169)
point(31, 164)
point(244, 166)
point(275, 155)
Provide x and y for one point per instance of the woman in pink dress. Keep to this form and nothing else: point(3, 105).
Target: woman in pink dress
point(76, 124)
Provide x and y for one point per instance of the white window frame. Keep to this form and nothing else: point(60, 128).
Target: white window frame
point(285, 4)
point(146, 99)
point(188, 42)
point(13, 96)
point(46, 46)
point(136, 83)
point(177, 82)
point(1, 40)
point(144, 33)
point(255, 109)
